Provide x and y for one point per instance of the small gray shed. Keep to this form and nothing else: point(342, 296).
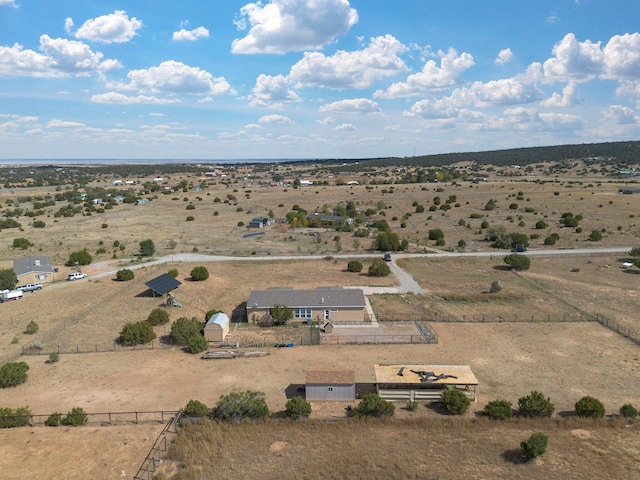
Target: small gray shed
point(217, 328)
point(331, 385)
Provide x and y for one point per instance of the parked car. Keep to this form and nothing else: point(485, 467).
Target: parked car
point(29, 287)
point(519, 249)
point(76, 276)
point(387, 257)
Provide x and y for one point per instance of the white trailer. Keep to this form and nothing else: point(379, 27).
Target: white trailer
point(10, 295)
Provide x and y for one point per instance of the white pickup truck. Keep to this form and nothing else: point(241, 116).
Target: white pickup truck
point(29, 287)
point(76, 276)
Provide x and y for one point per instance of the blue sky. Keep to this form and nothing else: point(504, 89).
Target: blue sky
point(313, 78)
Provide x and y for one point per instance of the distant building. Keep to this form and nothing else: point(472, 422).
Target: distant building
point(217, 327)
point(330, 385)
point(33, 269)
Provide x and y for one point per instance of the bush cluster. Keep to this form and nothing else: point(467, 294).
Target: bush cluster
point(589, 407)
point(455, 401)
point(124, 275)
point(195, 408)
point(379, 268)
point(535, 405)
point(13, 374)
point(534, 446)
point(136, 333)
point(354, 266)
point(238, 406)
point(297, 408)
point(158, 316)
point(11, 418)
point(199, 274)
point(498, 410)
point(373, 405)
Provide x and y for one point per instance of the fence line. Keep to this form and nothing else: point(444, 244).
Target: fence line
point(36, 348)
point(159, 448)
point(626, 331)
point(103, 418)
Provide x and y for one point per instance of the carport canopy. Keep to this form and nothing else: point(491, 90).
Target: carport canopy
point(163, 284)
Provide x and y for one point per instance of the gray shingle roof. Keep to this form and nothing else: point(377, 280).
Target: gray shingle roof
point(323, 297)
point(32, 264)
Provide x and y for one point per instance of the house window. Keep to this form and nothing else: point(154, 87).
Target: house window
point(330, 389)
point(41, 277)
point(302, 312)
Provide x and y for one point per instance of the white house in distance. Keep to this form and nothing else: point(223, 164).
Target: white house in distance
point(217, 327)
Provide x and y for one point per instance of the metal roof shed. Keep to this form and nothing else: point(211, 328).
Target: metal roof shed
point(163, 284)
point(330, 385)
point(216, 328)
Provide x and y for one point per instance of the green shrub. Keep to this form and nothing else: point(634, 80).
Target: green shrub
point(354, 266)
point(411, 406)
point(81, 257)
point(541, 224)
point(101, 251)
point(595, 236)
point(174, 272)
point(435, 234)
point(534, 446)
point(10, 418)
point(589, 407)
point(13, 374)
point(76, 417)
point(211, 313)
point(8, 279)
point(518, 262)
point(158, 316)
point(297, 408)
point(124, 275)
point(195, 408)
point(455, 401)
point(191, 207)
point(535, 405)
point(199, 274)
point(147, 248)
point(53, 420)
point(105, 225)
point(136, 333)
point(197, 344)
point(53, 357)
point(373, 405)
point(39, 224)
point(22, 243)
point(238, 406)
point(495, 286)
point(628, 411)
point(498, 410)
point(190, 218)
point(183, 329)
point(32, 327)
point(379, 268)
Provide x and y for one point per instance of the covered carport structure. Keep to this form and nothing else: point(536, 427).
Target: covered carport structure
point(404, 382)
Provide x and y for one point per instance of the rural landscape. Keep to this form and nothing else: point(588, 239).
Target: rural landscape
point(522, 265)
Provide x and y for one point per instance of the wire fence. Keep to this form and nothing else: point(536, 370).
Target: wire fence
point(105, 418)
point(159, 449)
point(37, 348)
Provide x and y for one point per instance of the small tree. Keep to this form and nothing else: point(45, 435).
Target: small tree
point(53, 357)
point(534, 446)
point(281, 314)
point(379, 268)
point(589, 407)
point(518, 262)
point(81, 257)
point(455, 401)
point(158, 316)
point(147, 248)
point(173, 272)
point(354, 266)
point(13, 374)
point(238, 406)
point(54, 420)
point(373, 405)
point(628, 411)
point(535, 405)
point(8, 279)
point(124, 275)
point(595, 236)
point(197, 344)
point(498, 410)
point(183, 329)
point(199, 274)
point(195, 408)
point(136, 333)
point(76, 417)
point(541, 225)
point(32, 327)
point(297, 408)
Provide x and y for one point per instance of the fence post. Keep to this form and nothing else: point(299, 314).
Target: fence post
point(77, 348)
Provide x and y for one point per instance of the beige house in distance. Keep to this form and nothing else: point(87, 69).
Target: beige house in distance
point(324, 304)
point(33, 269)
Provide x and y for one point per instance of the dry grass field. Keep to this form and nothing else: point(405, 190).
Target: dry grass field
point(564, 360)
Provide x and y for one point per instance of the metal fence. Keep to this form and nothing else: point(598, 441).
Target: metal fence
point(624, 330)
point(106, 418)
point(37, 348)
point(159, 449)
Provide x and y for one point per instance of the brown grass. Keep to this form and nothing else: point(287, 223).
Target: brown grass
point(418, 448)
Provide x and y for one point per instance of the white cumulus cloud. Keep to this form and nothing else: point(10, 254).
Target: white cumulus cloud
point(8, 3)
point(504, 56)
point(619, 115)
point(272, 91)
point(357, 69)
point(191, 35)
point(281, 119)
point(574, 61)
point(432, 77)
point(115, 27)
point(119, 98)
point(569, 97)
point(352, 106)
point(280, 26)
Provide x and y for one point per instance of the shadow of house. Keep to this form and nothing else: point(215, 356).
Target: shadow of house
point(239, 313)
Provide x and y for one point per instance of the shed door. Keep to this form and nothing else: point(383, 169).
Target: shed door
point(327, 314)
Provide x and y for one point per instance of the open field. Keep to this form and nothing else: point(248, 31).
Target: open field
point(563, 360)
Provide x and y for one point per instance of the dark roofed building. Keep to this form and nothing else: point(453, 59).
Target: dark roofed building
point(335, 304)
point(33, 269)
point(163, 284)
point(330, 385)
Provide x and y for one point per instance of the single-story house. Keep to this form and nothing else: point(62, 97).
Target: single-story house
point(216, 328)
point(628, 191)
point(330, 385)
point(423, 382)
point(335, 304)
point(33, 269)
point(328, 220)
point(260, 222)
